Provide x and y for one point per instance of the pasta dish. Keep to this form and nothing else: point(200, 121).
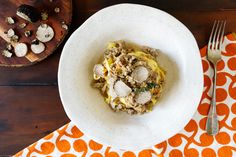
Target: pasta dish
point(129, 78)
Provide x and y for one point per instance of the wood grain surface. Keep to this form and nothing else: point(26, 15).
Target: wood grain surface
point(30, 106)
point(8, 9)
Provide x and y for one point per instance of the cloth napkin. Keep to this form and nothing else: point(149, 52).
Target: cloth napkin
point(191, 141)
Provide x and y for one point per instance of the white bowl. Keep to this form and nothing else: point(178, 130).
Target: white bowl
point(143, 25)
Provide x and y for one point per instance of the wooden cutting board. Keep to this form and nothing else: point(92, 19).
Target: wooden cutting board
point(8, 8)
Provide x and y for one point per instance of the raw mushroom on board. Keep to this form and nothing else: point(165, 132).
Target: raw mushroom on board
point(6, 53)
point(10, 20)
point(25, 29)
point(10, 33)
point(28, 13)
point(21, 49)
point(37, 47)
point(44, 33)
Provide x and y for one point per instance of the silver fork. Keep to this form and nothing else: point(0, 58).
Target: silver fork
point(214, 56)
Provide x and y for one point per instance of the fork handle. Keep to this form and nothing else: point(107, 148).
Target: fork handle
point(212, 127)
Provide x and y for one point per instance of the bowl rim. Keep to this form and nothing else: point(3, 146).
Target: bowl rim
point(68, 112)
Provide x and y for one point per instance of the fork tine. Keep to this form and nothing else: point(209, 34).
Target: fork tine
point(212, 30)
point(214, 36)
point(222, 34)
point(219, 32)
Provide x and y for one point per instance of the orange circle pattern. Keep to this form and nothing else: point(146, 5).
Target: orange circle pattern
point(208, 152)
point(70, 139)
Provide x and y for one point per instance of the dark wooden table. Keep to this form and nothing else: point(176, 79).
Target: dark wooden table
point(30, 106)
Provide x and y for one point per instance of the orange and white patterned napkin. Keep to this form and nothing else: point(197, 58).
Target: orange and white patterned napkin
point(192, 141)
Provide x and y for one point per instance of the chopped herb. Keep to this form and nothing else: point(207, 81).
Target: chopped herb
point(140, 90)
point(151, 85)
point(147, 88)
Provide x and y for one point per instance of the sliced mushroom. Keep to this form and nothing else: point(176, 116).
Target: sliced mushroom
point(140, 74)
point(10, 20)
point(44, 33)
point(113, 105)
point(28, 13)
point(111, 91)
point(27, 33)
point(37, 47)
point(6, 53)
point(10, 33)
point(98, 70)
point(22, 25)
point(15, 38)
point(9, 47)
point(121, 89)
point(143, 97)
point(119, 106)
point(21, 49)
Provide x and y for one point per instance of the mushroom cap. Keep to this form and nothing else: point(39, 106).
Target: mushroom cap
point(121, 89)
point(44, 33)
point(37, 48)
point(6, 53)
point(10, 20)
point(99, 70)
point(140, 74)
point(21, 49)
point(10, 33)
point(143, 97)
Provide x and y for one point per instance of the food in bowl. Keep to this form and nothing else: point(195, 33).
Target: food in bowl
point(129, 78)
